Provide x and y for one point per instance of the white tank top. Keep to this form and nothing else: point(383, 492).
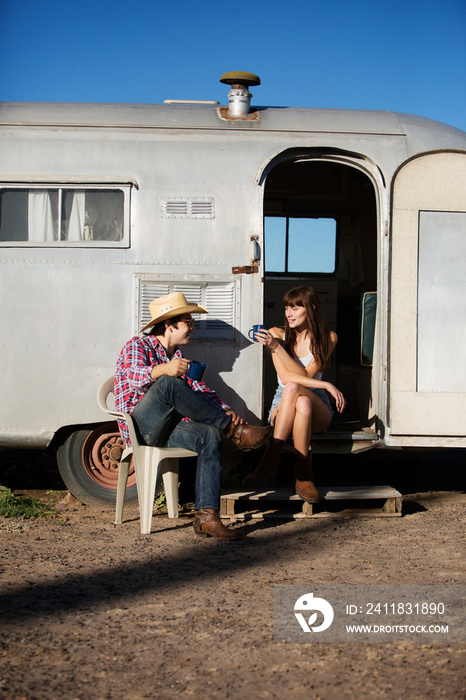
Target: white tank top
point(304, 361)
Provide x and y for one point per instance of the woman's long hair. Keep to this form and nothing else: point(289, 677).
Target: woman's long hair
point(319, 334)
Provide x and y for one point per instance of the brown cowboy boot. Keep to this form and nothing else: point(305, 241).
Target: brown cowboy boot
point(247, 437)
point(304, 484)
point(207, 523)
point(266, 472)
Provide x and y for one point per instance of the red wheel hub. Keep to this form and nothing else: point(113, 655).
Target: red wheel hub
point(101, 456)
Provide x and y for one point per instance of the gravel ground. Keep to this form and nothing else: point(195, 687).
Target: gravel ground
point(94, 610)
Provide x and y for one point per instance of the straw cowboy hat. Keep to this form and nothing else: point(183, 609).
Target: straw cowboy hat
point(171, 305)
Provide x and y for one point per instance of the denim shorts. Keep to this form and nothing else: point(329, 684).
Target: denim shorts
point(319, 392)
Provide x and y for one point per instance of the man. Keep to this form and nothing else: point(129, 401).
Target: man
point(172, 410)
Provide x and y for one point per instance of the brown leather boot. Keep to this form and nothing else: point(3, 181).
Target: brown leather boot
point(247, 437)
point(207, 523)
point(266, 471)
point(304, 480)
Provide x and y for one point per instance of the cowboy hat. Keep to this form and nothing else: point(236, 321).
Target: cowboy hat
point(171, 305)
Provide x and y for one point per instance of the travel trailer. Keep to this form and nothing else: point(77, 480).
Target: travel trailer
point(104, 207)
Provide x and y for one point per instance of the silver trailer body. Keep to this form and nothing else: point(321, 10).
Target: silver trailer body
point(177, 197)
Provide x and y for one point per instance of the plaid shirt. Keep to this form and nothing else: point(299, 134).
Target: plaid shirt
point(133, 376)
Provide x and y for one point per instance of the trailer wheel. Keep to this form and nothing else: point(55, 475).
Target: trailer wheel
point(89, 462)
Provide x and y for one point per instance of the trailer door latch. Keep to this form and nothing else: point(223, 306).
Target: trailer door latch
point(245, 270)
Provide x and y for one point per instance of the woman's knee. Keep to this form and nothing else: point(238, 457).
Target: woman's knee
point(304, 405)
point(291, 391)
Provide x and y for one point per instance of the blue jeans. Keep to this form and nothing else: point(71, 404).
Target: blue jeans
point(158, 416)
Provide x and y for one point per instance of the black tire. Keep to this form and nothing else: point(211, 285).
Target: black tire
point(89, 462)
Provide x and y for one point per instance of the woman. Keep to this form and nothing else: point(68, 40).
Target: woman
point(300, 407)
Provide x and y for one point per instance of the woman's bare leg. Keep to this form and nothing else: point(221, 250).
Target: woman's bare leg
point(311, 415)
point(286, 415)
point(300, 411)
point(302, 426)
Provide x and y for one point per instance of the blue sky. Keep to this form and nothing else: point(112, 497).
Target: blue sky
point(401, 55)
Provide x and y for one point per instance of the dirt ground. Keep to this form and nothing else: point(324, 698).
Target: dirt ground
point(94, 610)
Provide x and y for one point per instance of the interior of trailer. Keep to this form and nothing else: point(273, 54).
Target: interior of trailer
point(320, 229)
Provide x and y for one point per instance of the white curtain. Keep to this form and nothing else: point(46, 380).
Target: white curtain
point(40, 219)
point(76, 223)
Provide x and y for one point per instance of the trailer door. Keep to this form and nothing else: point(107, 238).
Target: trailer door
point(427, 298)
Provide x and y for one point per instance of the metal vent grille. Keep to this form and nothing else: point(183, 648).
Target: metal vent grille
point(218, 297)
point(187, 207)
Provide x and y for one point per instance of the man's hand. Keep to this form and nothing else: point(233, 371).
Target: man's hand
point(177, 367)
point(174, 368)
point(235, 418)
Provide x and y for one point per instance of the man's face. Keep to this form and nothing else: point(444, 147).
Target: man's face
point(182, 334)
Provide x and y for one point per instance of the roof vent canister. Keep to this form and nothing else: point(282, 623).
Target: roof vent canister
point(239, 97)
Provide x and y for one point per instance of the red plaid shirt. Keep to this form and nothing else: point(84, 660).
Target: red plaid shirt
point(133, 376)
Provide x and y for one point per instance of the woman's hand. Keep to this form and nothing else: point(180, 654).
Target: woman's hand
point(267, 339)
point(340, 400)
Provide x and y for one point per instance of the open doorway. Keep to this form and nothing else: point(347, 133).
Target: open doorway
point(320, 229)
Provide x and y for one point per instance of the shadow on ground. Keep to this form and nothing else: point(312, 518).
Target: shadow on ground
point(408, 470)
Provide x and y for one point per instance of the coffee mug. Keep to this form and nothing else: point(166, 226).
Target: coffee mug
point(196, 370)
point(254, 330)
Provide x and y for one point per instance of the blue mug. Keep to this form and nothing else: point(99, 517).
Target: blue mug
point(196, 370)
point(254, 330)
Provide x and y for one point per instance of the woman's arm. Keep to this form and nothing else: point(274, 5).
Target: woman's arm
point(283, 362)
point(291, 371)
point(286, 367)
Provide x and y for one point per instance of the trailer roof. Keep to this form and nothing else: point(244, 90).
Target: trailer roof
point(202, 116)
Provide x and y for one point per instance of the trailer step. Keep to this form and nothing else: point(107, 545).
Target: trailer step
point(343, 439)
point(343, 501)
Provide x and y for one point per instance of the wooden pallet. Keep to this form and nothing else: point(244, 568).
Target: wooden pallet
point(347, 501)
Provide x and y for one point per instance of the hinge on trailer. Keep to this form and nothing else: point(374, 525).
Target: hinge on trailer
point(245, 270)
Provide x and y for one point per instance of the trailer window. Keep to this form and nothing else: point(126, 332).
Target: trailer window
point(62, 215)
point(302, 245)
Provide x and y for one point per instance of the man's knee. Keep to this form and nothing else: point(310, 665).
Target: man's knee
point(166, 385)
point(201, 436)
point(210, 433)
point(164, 381)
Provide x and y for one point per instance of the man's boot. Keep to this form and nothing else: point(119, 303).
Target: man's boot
point(304, 480)
point(266, 472)
point(247, 437)
point(207, 523)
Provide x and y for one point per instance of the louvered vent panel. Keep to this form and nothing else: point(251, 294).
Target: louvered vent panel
point(176, 208)
point(217, 297)
point(147, 292)
point(192, 294)
point(187, 207)
point(220, 303)
point(201, 208)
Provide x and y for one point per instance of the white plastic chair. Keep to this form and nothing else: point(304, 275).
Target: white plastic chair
point(148, 462)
